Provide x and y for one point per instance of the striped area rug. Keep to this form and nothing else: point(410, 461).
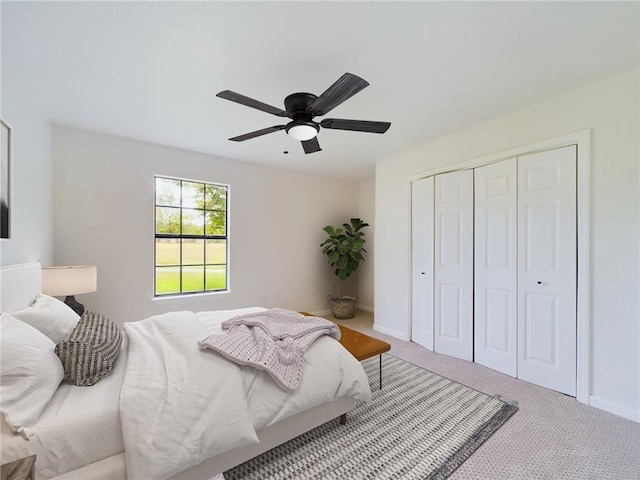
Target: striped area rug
point(419, 426)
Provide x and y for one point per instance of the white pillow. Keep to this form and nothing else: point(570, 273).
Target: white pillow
point(49, 315)
point(30, 372)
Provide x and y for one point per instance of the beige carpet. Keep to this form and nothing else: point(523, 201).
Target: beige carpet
point(551, 437)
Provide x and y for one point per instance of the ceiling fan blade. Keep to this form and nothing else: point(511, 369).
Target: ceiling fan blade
point(311, 146)
point(250, 102)
point(355, 125)
point(257, 133)
point(343, 89)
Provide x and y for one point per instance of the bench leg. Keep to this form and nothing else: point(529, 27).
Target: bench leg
point(343, 419)
point(380, 371)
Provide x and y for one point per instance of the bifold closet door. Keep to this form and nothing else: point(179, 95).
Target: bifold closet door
point(547, 269)
point(422, 196)
point(495, 272)
point(453, 264)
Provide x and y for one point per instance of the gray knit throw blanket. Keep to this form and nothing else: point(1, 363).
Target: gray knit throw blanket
point(274, 341)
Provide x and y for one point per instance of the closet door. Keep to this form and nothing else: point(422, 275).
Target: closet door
point(454, 264)
point(422, 262)
point(547, 269)
point(495, 271)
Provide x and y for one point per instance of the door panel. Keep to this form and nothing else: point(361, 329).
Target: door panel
point(542, 221)
point(500, 234)
point(495, 306)
point(422, 193)
point(541, 324)
point(453, 267)
point(498, 305)
point(450, 311)
point(450, 239)
point(547, 269)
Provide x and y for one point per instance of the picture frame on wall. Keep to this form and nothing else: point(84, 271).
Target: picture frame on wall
point(6, 141)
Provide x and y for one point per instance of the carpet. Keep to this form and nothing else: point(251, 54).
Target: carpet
point(419, 426)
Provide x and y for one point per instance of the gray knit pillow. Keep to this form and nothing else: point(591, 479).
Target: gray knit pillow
point(91, 349)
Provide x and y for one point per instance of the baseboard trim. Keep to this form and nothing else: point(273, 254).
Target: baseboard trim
point(615, 408)
point(390, 332)
point(364, 308)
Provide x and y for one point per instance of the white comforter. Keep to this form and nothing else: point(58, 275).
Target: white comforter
point(180, 405)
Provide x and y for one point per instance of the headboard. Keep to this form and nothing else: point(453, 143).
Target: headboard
point(19, 285)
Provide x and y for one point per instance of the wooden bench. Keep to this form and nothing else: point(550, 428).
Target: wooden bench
point(360, 345)
point(363, 346)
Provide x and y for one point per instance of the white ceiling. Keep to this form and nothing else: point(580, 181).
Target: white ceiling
point(150, 70)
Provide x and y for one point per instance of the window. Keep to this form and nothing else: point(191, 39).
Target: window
point(191, 246)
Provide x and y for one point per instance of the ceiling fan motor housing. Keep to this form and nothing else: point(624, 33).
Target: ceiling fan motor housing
point(297, 105)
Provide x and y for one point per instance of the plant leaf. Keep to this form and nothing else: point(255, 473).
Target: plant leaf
point(344, 247)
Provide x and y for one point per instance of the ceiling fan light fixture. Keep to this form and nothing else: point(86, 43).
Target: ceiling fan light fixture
point(302, 130)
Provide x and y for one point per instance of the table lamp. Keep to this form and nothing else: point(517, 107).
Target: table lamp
point(69, 281)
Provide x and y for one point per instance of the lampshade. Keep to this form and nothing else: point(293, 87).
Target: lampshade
point(302, 131)
point(73, 280)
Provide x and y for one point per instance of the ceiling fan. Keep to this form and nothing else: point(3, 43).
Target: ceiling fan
point(301, 108)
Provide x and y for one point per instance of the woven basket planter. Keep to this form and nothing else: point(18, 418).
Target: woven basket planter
point(343, 308)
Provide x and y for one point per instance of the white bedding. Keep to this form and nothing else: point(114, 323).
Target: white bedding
point(79, 426)
point(82, 425)
point(330, 372)
point(180, 405)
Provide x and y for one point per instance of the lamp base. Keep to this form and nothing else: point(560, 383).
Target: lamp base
point(74, 305)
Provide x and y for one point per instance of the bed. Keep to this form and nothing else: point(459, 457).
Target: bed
point(92, 432)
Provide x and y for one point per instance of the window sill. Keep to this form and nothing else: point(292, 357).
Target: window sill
point(187, 296)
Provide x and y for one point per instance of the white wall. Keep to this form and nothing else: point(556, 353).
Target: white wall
point(366, 207)
point(31, 221)
point(103, 213)
point(610, 109)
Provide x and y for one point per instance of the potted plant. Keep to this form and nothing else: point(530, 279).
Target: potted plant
point(344, 248)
